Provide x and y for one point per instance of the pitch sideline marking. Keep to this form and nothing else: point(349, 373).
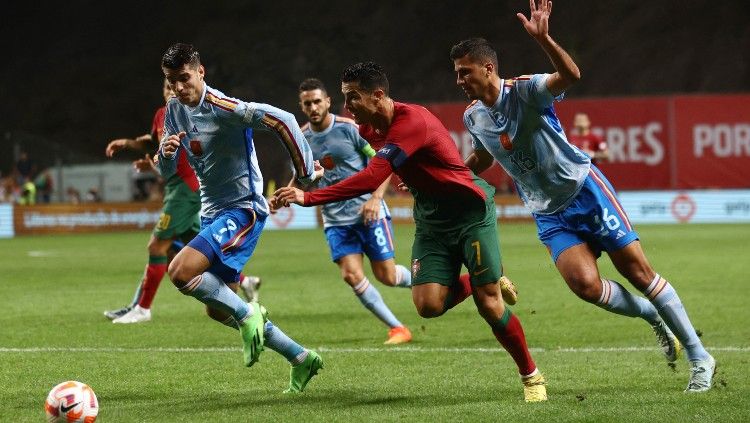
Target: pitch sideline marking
point(344, 350)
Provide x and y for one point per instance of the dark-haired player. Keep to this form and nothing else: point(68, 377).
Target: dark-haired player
point(454, 210)
point(359, 226)
point(178, 223)
point(576, 209)
point(216, 133)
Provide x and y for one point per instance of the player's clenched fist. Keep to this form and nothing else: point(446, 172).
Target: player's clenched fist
point(288, 195)
point(170, 145)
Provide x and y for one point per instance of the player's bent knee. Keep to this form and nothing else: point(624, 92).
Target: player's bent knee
point(490, 307)
point(179, 274)
point(352, 278)
point(587, 290)
point(429, 309)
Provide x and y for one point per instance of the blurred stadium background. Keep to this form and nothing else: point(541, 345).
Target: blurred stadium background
point(666, 84)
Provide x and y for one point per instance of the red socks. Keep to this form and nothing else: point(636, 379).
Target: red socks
point(458, 293)
point(155, 270)
point(509, 333)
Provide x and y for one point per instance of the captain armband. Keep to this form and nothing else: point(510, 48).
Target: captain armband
point(393, 154)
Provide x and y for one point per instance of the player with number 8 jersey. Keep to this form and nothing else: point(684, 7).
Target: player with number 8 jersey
point(358, 226)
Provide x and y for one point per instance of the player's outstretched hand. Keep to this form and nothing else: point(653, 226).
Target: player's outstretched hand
point(145, 164)
point(169, 146)
point(115, 146)
point(288, 195)
point(538, 23)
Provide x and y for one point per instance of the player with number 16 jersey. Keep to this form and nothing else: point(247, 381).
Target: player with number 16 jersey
point(576, 209)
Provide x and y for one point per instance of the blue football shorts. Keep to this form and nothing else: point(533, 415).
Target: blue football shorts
point(228, 240)
point(375, 240)
point(595, 217)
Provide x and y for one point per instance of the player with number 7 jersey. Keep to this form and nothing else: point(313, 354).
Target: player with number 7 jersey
point(454, 211)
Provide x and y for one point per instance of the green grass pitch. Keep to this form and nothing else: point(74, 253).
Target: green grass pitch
point(183, 367)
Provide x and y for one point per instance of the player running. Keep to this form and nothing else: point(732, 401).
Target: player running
point(576, 209)
point(215, 133)
point(454, 211)
point(358, 226)
point(178, 223)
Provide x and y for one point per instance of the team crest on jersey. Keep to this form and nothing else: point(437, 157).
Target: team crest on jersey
point(327, 162)
point(196, 148)
point(415, 266)
point(505, 141)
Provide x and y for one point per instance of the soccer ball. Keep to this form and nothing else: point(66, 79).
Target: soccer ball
point(71, 401)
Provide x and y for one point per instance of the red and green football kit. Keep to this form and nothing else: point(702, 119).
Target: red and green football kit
point(454, 209)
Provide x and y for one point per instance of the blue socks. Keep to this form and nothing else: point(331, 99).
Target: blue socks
point(370, 298)
point(670, 307)
point(283, 344)
point(212, 291)
point(277, 341)
point(617, 299)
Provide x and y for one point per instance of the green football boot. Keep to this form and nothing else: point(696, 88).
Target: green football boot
point(301, 374)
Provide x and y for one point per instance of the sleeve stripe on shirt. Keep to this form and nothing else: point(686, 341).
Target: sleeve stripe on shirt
point(222, 103)
point(278, 126)
point(346, 120)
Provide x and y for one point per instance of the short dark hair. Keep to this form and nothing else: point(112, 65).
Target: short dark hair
point(369, 75)
point(179, 55)
point(478, 49)
point(310, 84)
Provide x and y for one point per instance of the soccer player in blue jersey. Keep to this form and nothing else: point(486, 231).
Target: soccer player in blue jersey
point(576, 209)
point(358, 226)
point(216, 133)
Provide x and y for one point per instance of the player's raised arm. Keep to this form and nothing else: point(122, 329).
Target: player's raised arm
point(537, 25)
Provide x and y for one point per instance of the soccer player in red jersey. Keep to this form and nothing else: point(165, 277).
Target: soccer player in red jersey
point(590, 143)
point(454, 211)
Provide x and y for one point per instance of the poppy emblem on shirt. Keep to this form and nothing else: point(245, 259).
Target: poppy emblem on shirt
point(505, 141)
point(327, 162)
point(196, 148)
